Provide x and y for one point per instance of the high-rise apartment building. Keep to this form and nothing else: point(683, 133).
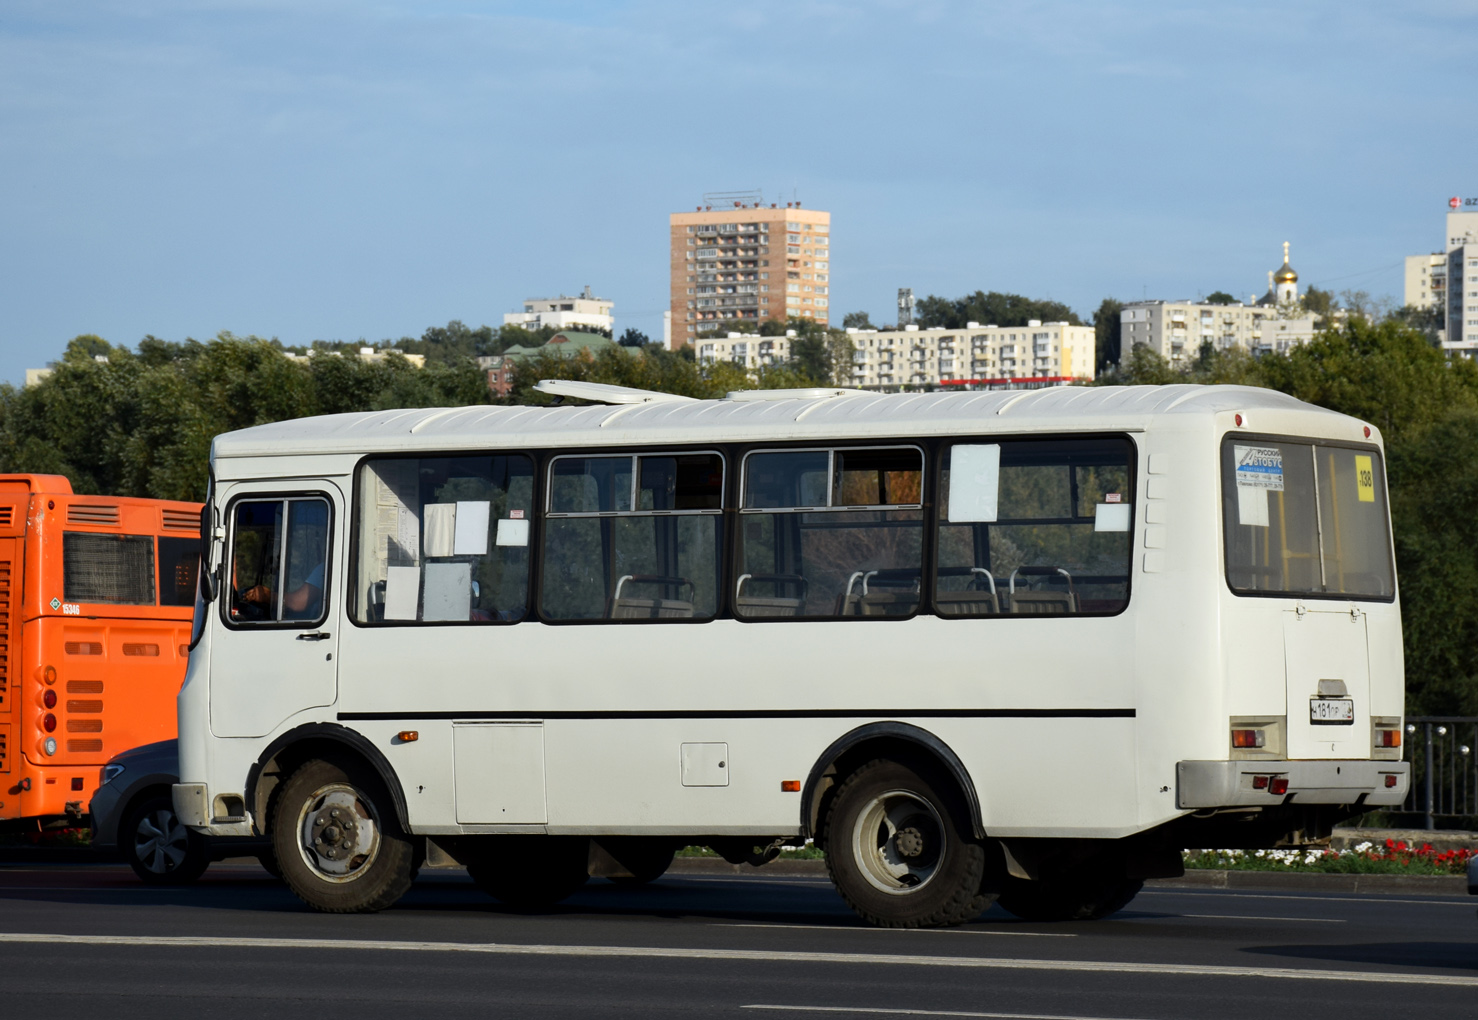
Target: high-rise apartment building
point(736, 260)
point(1426, 281)
point(1462, 279)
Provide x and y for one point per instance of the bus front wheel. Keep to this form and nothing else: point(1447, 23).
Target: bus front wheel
point(337, 841)
point(897, 848)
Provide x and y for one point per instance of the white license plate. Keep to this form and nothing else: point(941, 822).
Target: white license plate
point(1331, 711)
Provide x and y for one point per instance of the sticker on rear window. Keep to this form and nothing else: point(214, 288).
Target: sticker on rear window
point(1259, 472)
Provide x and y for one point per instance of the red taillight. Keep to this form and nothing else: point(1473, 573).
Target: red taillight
point(48, 722)
point(1390, 782)
point(49, 699)
point(1259, 782)
point(1387, 738)
point(1278, 786)
point(1247, 738)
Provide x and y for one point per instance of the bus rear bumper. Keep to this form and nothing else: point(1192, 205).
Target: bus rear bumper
point(1215, 784)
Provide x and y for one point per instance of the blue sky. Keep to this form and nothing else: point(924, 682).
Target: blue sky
point(318, 169)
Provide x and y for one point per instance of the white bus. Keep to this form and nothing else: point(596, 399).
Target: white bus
point(1014, 646)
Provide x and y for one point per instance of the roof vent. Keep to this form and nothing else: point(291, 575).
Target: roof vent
point(805, 393)
point(603, 393)
point(181, 520)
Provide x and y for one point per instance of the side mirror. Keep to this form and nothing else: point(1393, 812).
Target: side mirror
point(210, 585)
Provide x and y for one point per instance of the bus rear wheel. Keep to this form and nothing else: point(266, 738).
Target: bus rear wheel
point(1075, 897)
point(529, 872)
point(336, 839)
point(898, 851)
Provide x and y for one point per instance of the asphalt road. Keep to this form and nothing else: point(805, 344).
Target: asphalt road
point(90, 941)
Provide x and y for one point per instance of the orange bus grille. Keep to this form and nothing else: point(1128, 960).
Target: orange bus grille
point(84, 687)
point(84, 726)
point(7, 514)
point(140, 649)
point(4, 635)
point(77, 746)
point(84, 707)
point(92, 514)
point(84, 648)
point(4, 752)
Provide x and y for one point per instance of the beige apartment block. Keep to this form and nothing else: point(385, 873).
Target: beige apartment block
point(738, 260)
point(1176, 329)
point(1036, 355)
point(564, 312)
point(743, 349)
point(1426, 281)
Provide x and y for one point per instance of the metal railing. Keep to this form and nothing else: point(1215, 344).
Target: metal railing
point(1443, 751)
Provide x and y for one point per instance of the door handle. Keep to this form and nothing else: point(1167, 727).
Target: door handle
point(317, 635)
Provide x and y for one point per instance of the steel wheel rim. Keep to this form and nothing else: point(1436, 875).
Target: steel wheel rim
point(338, 833)
point(160, 842)
point(898, 842)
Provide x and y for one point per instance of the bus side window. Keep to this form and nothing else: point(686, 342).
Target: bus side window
point(279, 560)
point(1044, 528)
point(444, 539)
point(633, 537)
point(830, 533)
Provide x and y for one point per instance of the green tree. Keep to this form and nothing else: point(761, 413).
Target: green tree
point(633, 337)
point(1431, 321)
point(991, 308)
point(1220, 297)
point(1107, 333)
point(857, 320)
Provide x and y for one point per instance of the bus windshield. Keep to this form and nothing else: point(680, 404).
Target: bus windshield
point(1305, 518)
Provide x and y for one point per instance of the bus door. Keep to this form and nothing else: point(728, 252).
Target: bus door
point(1328, 668)
point(280, 607)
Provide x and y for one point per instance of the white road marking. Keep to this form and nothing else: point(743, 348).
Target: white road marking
point(1252, 917)
point(1367, 898)
point(920, 1012)
point(747, 955)
point(922, 931)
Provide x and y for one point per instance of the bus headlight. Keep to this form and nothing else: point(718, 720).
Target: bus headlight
point(50, 745)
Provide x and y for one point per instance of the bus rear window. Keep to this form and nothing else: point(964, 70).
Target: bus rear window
point(1305, 519)
point(113, 569)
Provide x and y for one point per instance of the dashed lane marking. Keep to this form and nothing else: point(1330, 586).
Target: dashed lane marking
point(748, 956)
point(916, 931)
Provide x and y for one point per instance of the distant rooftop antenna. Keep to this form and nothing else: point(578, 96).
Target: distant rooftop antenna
point(587, 295)
point(906, 304)
point(735, 199)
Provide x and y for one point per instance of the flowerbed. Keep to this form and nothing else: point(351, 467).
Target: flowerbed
point(1394, 858)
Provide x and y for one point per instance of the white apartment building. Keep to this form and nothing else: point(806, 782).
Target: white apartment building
point(563, 313)
point(745, 349)
point(977, 357)
point(1177, 329)
point(1462, 281)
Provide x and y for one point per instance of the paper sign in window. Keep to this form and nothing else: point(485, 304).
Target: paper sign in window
point(1259, 472)
point(1111, 517)
point(448, 594)
point(1364, 478)
point(513, 532)
point(402, 592)
point(974, 483)
point(472, 528)
point(439, 528)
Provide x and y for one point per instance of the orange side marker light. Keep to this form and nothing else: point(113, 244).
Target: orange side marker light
point(407, 736)
point(790, 786)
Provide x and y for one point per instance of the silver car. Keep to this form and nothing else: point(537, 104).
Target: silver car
point(133, 816)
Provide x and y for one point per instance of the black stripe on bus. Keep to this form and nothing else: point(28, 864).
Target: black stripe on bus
point(768, 713)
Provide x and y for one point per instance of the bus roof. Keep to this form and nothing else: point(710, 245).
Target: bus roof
point(1075, 408)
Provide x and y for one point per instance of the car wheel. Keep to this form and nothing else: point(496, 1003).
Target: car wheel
point(160, 848)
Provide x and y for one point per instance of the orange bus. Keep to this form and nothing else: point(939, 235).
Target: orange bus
point(96, 596)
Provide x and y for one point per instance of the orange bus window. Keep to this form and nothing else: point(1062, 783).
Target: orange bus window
point(140, 649)
point(84, 648)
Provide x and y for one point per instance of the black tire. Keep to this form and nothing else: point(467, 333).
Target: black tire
point(337, 840)
point(159, 848)
point(899, 851)
point(646, 859)
point(1078, 897)
point(528, 872)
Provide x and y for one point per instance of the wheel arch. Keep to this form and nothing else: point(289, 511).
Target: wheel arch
point(881, 740)
point(305, 742)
